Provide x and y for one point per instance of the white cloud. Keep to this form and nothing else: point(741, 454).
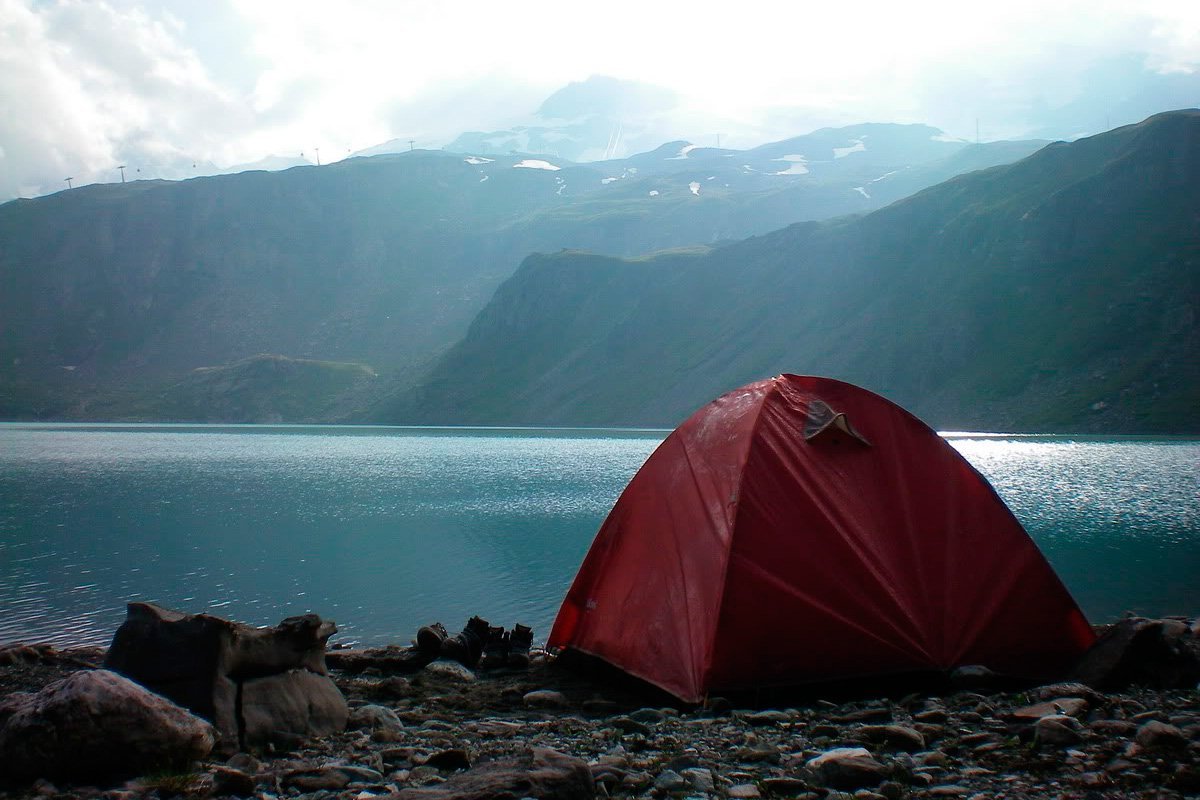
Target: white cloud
point(87, 85)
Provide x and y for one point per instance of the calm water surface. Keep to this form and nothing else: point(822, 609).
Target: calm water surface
point(385, 529)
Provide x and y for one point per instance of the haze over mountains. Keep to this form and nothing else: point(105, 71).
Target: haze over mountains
point(1057, 293)
point(603, 117)
point(117, 292)
point(339, 292)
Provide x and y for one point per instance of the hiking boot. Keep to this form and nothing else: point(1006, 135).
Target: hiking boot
point(519, 642)
point(467, 646)
point(495, 650)
point(430, 638)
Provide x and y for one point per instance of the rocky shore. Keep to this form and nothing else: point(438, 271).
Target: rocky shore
point(449, 732)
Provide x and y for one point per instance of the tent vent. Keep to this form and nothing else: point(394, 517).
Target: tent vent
point(823, 421)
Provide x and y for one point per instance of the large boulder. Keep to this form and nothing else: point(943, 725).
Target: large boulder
point(206, 664)
point(293, 704)
point(540, 773)
point(1162, 653)
point(96, 726)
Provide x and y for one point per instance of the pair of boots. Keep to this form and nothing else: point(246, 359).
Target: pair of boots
point(478, 640)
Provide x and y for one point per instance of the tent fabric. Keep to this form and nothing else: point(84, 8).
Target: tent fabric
point(747, 554)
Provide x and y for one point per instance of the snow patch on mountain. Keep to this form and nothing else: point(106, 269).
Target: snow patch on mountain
point(798, 165)
point(884, 175)
point(862, 191)
point(535, 163)
point(857, 147)
point(694, 186)
point(683, 153)
point(477, 160)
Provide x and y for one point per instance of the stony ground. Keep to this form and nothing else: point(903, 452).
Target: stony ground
point(411, 731)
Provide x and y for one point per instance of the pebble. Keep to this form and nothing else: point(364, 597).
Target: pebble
point(699, 779)
point(1070, 706)
point(545, 698)
point(967, 745)
point(1155, 735)
point(785, 786)
point(1057, 730)
point(449, 671)
point(374, 717)
point(893, 737)
point(230, 781)
point(670, 781)
point(630, 725)
point(648, 715)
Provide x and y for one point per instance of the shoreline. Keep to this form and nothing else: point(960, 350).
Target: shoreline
point(446, 722)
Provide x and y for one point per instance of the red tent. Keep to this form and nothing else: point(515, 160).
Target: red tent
point(801, 529)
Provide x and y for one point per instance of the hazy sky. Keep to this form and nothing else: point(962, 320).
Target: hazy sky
point(88, 85)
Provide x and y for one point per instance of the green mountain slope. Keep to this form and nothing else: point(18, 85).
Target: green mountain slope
point(114, 294)
point(1058, 293)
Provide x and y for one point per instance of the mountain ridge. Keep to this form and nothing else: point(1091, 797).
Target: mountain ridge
point(1043, 271)
point(117, 290)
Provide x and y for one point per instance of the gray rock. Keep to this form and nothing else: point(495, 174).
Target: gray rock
point(1155, 735)
point(1057, 730)
point(203, 662)
point(699, 779)
point(1073, 689)
point(96, 726)
point(450, 671)
point(229, 781)
point(541, 773)
point(1070, 706)
point(768, 717)
point(1162, 653)
point(545, 698)
point(670, 781)
point(848, 768)
point(358, 774)
point(374, 717)
point(893, 737)
point(974, 676)
point(315, 779)
point(744, 791)
point(785, 786)
point(630, 725)
point(297, 704)
point(648, 715)
point(244, 762)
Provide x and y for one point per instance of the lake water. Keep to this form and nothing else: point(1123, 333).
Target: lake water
point(385, 529)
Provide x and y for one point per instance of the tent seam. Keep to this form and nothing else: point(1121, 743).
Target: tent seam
point(741, 476)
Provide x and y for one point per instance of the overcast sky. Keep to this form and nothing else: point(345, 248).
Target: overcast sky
point(88, 85)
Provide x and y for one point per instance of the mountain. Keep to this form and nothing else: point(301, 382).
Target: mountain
point(1058, 293)
point(115, 294)
point(269, 163)
point(589, 120)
